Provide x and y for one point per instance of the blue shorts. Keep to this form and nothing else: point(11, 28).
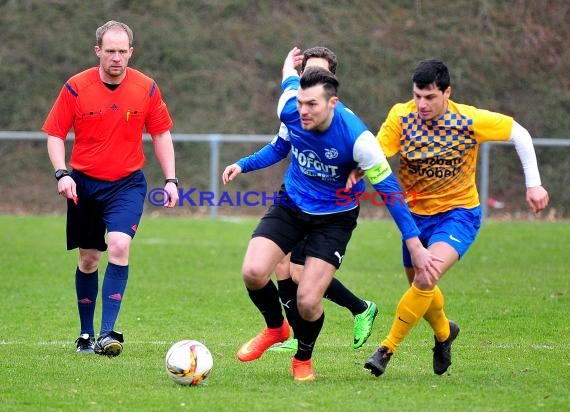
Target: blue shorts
point(104, 207)
point(457, 227)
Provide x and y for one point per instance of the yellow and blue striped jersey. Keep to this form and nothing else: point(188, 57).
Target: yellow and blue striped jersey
point(438, 158)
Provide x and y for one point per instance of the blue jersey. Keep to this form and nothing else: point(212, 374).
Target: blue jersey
point(322, 161)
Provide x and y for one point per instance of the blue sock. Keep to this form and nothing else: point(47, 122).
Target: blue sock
point(86, 287)
point(114, 286)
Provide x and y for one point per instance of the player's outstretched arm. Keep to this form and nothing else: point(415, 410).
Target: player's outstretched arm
point(267, 156)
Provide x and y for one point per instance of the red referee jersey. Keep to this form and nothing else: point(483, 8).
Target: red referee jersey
point(108, 124)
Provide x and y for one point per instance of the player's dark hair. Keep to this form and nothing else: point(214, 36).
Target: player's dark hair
point(431, 71)
point(323, 53)
point(314, 76)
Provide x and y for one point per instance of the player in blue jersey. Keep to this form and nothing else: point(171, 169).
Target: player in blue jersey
point(289, 270)
point(326, 141)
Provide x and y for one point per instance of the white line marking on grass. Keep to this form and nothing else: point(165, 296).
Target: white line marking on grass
point(57, 342)
point(536, 346)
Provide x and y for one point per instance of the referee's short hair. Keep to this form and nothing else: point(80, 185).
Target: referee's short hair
point(112, 25)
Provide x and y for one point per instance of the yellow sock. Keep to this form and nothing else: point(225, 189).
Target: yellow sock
point(436, 316)
point(413, 305)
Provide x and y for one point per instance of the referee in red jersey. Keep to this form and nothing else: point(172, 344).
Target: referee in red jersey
point(108, 107)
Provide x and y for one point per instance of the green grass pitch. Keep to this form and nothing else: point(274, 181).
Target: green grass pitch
point(510, 295)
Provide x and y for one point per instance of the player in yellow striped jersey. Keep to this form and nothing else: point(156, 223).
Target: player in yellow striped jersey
point(437, 141)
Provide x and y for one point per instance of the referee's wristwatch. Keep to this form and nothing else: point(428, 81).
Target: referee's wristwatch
point(59, 173)
point(175, 181)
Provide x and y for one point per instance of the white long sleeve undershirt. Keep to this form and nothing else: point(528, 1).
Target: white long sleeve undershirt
point(525, 150)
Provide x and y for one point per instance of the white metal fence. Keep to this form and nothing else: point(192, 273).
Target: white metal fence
point(215, 141)
point(484, 161)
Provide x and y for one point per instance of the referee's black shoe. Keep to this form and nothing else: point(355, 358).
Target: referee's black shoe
point(110, 344)
point(85, 343)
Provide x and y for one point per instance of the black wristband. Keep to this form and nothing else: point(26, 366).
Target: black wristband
point(59, 173)
point(175, 181)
